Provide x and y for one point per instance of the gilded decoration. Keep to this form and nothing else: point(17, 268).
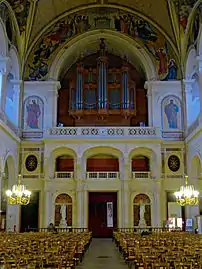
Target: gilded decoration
point(31, 163)
point(103, 18)
point(174, 163)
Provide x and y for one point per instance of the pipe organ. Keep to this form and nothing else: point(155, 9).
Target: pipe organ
point(102, 89)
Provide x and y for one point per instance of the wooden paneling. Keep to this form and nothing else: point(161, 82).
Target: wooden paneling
point(102, 164)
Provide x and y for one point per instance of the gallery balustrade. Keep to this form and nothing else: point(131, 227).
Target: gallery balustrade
point(141, 175)
point(110, 132)
point(102, 175)
point(64, 175)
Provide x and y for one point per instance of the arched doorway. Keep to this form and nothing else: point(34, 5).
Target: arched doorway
point(63, 211)
point(4, 187)
point(142, 211)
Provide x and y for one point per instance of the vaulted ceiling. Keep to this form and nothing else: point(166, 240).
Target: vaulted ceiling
point(32, 20)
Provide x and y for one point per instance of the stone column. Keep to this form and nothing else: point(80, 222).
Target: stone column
point(12, 218)
point(48, 208)
point(85, 207)
point(79, 205)
point(188, 84)
point(4, 71)
point(125, 205)
point(16, 100)
point(199, 58)
point(148, 87)
point(157, 221)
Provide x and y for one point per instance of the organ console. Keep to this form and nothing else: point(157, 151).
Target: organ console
point(102, 90)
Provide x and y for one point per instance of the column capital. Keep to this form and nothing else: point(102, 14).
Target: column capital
point(4, 64)
point(199, 58)
point(188, 83)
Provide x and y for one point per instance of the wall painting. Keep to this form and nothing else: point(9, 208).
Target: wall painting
point(102, 18)
point(33, 114)
point(171, 113)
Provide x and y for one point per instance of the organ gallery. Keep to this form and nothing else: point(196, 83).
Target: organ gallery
point(104, 89)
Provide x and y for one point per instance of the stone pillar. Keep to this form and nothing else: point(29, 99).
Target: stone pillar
point(16, 100)
point(12, 218)
point(188, 84)
point(199, 58)
point(4, 71)
point(79, 205)
point(149, 100)
point(48, 208)
point(120, 208)
point(157, 221)
point(125, 205)
point(48, 92)
point(85, 209)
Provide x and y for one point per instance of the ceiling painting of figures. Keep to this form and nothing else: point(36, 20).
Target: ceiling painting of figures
point(103, 18)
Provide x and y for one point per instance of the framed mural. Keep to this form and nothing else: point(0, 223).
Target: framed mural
point(172, 115)
point(33, 114)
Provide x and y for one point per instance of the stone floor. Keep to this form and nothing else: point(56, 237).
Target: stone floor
point(102, 254)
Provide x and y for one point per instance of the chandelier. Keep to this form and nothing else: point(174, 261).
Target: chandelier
point(19, 195)
point(187, 195)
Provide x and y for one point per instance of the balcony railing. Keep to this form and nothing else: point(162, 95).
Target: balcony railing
point(194, 125)
point(141, 175)
point(64, 175)
point(110, 132)
point(102, 175)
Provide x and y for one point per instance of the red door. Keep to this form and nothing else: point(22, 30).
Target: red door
point(98, 220)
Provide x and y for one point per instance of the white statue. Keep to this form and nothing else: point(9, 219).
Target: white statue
point(142, 211)
point(63, 211)
point(142, 222)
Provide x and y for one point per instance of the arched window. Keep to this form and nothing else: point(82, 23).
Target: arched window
point(142, 211)
point(63, 211)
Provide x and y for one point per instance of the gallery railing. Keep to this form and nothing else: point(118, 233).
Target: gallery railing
point(59, 230)
point(139, 230)
point(64, 175)
point(102, 175)
point(141, 175)
point(110, 132)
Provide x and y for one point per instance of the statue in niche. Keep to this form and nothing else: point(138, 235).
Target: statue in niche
point(172, 70)
point(171, 111)
point(142, 222)
point(63, 211)
point(33, 114)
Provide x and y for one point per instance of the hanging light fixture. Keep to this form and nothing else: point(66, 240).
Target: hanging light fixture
point(187, 195)
point(19, 195)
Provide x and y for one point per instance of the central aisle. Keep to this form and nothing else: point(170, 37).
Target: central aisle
point(102, 254)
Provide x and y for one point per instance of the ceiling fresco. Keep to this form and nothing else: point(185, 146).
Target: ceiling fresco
point(48, 10)
point(183, 8)
point(21, 9)
point(102, 18)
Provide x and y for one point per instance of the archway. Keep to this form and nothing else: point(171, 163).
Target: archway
point(142, 211)
point(11, 213)
point(4, 187)
point(63, 211)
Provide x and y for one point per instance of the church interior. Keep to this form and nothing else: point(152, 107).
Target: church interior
point(101, 134)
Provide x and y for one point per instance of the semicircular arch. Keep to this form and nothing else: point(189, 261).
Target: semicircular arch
point(3, 40)
point(196, 168)
point(91, 6)
point(92, 151)
point(12, 177)
point(72, 51)
point(147, 152)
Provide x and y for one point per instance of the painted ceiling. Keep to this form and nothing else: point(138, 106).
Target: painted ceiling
point(35, 22)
